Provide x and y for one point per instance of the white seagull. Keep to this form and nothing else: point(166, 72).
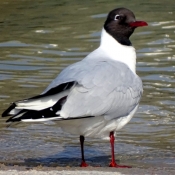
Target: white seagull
point(94, 97)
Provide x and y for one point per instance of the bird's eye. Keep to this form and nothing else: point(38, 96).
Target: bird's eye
point(117, 17)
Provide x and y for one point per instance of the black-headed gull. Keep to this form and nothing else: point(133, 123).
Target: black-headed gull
point(96, 96)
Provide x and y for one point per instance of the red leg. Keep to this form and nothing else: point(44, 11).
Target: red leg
point(83, 163)
point(113, 163)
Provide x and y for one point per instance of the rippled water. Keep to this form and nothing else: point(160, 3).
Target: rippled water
point(39, 39)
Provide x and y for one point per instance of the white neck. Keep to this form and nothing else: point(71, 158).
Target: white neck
point(116, 51)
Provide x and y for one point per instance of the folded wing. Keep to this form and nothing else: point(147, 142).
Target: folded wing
point(84, 89)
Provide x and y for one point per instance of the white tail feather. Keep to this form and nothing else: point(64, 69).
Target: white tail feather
point(42, 103)
point(14, 111)
point(19, 115)
point(41, 119)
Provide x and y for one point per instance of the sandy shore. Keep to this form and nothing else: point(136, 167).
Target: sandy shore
point(40, 170)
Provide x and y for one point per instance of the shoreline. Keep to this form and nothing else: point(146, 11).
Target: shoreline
point(44, 170)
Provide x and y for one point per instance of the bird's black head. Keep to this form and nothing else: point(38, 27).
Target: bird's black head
point(120, 24)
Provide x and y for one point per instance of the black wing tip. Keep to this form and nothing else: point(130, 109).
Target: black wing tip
point(52, 91)
point(6, 112)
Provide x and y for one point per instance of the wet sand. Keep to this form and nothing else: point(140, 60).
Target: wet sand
point(42, 170)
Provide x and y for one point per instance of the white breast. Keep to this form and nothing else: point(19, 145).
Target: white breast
point(110, 48)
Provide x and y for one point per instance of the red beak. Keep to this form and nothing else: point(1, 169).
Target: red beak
point(138, 24)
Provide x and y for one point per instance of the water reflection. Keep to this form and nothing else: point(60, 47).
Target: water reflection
point(39, 39)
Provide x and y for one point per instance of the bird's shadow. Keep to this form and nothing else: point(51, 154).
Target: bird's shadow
point(70, 157)
point(64, 162)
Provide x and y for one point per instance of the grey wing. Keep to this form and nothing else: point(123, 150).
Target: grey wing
point(103, 87)
point(74, 72)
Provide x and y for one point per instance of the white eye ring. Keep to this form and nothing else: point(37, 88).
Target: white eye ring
point(116, 17)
